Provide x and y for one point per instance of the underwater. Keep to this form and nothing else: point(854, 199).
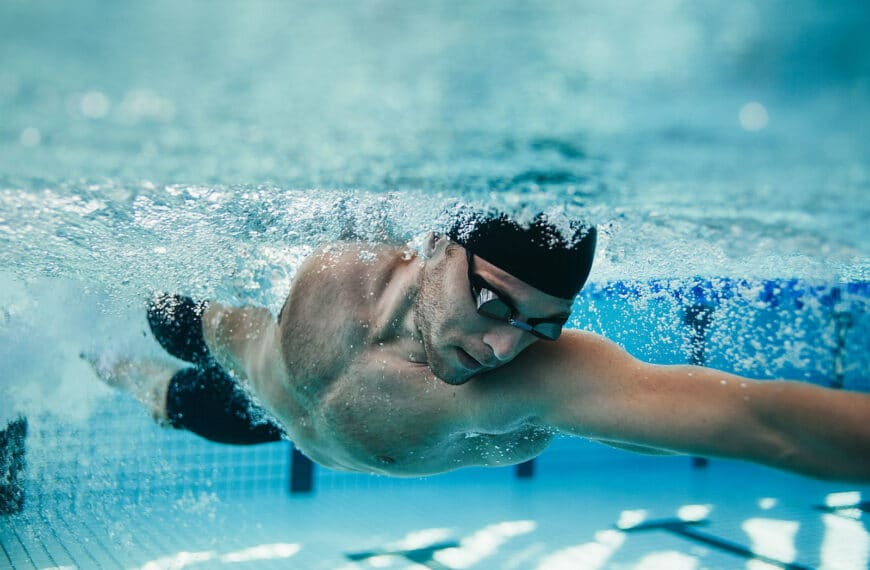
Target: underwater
point(208, 149)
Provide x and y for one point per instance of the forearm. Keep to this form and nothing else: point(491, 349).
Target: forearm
point(644, 450)
point(823, 433)
point(795, 426)
point(587, 386)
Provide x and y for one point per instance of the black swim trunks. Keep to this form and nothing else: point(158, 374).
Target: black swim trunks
point(204, 398)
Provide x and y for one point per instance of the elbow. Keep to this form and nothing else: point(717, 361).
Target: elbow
point(822, 465)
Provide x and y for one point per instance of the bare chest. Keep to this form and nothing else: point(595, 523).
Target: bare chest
point(413, 425)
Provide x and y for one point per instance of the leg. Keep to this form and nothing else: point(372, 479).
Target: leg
point(205, 333)
point(237, 337)
point(205, 401)
point(208, 402)
point(176, 322)
point(146, 380)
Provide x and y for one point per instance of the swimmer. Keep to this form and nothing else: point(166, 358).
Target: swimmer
point(401, 362)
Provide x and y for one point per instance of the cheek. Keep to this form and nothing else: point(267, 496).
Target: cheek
point(450, 308)
point(460, 310)
point(447, 320)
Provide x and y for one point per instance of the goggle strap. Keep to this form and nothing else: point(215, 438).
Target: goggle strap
point(521, 325)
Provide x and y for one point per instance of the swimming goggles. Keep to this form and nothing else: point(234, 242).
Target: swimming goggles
point(489, 304)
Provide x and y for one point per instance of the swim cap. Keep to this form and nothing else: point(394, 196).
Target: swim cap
point(540, 254)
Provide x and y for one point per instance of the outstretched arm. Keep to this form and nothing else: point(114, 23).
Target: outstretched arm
point(587, 386)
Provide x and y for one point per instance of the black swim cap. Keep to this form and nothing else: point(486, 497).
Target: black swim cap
point(540, 254)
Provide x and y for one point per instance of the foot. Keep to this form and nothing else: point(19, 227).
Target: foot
point(145, 380)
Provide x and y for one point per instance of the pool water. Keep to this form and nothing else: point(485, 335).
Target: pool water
point(111, 489)
point(207, 148)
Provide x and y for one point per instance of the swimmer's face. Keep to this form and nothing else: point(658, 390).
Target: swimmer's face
point(459, 342)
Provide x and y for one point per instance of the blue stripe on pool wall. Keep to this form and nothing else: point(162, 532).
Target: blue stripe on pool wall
point(785, 328)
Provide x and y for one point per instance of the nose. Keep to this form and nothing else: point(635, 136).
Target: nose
point(505, 342)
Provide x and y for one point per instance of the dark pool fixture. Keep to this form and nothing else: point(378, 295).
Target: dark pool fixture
point(301, 473)
point(12, 463)
point(697, 318)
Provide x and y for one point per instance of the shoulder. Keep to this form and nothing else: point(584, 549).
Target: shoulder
point(578, 370)
point(576, 356)
point(344, 277)
point(325, 321)
point(344, 268)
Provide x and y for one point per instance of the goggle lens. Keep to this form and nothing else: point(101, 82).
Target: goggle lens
point(549, 331)
point(494, 308)
point(490, 305)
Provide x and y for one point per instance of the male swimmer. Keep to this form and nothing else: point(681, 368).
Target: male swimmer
point(388, 360)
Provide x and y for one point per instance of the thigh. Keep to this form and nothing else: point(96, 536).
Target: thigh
point(209, 403)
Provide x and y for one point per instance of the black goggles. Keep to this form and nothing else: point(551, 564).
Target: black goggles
point(489, 304)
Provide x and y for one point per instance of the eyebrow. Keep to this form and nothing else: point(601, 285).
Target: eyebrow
point(513, 304)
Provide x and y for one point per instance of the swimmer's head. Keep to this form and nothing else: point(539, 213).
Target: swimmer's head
point(534, 270)
point(553, 260)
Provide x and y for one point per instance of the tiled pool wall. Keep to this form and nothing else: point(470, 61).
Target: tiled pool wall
point(762, 329)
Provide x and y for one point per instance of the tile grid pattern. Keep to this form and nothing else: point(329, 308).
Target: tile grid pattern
point(572, 522)
point(119, 453)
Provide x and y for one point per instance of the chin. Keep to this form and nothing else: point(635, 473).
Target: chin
point(448, 373)
point(456, 379)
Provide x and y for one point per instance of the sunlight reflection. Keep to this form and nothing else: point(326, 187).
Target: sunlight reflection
point(845, 499)
point(178, 560)
point(263, 552)
point(260, 552)
point(421, 538)
point(482, 543)
point(670, 559)
point(766, 503)
point(846, 544)
point(772, 538)
point(382, 561)
point(691, 513)
point(589, 556)
point(629, 519)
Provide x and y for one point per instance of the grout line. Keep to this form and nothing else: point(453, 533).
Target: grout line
point(23, 548)
point(39, 544)
point(50, 527)
point(6, 553)
point(75, 536)
point(99, 543)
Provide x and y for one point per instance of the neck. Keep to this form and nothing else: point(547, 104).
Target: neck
point(395, 310)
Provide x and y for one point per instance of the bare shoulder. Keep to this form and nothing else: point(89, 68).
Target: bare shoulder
point(579, 368)
point(326, 319)
point(346, 256)
point(341, 276)
point(577, 357)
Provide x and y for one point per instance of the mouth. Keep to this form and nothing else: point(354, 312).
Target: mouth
point(467, 361)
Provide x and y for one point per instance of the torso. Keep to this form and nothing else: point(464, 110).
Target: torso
point(353, 393)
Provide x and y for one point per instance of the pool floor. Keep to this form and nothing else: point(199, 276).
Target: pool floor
point(750, 518)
